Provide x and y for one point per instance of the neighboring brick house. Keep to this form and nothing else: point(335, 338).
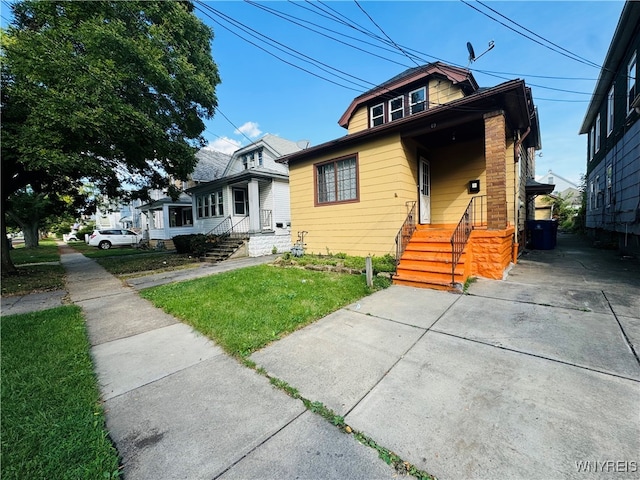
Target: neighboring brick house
point(613, 140)
point(427, 153)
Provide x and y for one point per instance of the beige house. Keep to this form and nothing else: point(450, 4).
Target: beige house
point(433, 170)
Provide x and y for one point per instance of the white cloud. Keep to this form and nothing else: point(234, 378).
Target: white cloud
point(250, 129)
point(225, 145)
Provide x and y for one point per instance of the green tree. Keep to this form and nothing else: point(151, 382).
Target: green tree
point(108, 92)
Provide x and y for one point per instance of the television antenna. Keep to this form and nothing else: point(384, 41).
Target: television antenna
point(472, 54)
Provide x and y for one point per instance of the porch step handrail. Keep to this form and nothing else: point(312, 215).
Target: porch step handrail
point(462, 232)
point(406, 231)
point(227, 228)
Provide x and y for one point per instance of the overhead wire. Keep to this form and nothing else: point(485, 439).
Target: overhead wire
point(384, 33)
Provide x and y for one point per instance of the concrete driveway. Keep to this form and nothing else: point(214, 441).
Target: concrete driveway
point(537, 376)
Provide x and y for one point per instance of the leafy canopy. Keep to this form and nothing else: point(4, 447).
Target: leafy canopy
point(109, 92)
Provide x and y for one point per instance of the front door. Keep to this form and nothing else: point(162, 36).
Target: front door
point(425, 189)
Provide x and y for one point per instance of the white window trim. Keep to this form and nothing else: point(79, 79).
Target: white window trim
point(592, 142)
point(610, 111)
point(598, 127)
point(372, 118)
point(631, 81)
point(401, 109)
point(424, 90)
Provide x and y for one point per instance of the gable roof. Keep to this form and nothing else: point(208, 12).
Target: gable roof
point(459, 76)
point(514, 97)
point(629, 19)
point(211, 165)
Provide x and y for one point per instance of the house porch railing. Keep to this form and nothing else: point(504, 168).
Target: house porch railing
point(227, 228)
point(406, 231)
point(265, 220)
point(472, 217)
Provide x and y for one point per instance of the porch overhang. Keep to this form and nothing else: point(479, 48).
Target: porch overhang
point(533, 188)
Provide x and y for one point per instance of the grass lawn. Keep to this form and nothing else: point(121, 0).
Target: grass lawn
point(244, 310)
point(34, 278)
point(52, 420)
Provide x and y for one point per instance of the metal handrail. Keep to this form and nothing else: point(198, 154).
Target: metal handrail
point(462, 232)
point(406, 231)
point(227, 228)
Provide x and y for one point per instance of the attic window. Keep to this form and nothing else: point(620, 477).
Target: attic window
point(377, 115)
point(396, 108)
point(417, 100)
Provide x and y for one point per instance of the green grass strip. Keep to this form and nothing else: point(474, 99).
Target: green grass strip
point(52, 420)
point(244, 310)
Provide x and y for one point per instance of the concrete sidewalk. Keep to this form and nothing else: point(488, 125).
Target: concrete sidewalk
point(178, 407)
point(537, 376)
point(534, 377)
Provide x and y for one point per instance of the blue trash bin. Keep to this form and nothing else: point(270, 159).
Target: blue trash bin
point(543, 234)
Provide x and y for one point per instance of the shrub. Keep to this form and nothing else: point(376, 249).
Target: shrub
point(200, 244)
point(183, 243)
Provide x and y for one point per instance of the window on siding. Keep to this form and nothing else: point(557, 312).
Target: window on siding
point(337, 181)
point(597, 142)
point(396, 108)
point(592, 192)
point(377, 115)
point(609, 185)
point(631, 83)
point(180, 216)
point(260, 159)
point(417, 100)
point(610, 112)
point(210, 205)
point(597, 193)
point(592, 138)
point(239, 202)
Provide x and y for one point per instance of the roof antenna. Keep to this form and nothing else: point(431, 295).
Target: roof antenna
point(472, 54)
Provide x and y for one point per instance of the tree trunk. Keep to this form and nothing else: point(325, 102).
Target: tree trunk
point(31, 237)
point(8, 267)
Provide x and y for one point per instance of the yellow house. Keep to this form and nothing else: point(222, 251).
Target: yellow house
point(433, 170)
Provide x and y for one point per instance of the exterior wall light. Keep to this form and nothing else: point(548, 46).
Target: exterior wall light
point(474, 186)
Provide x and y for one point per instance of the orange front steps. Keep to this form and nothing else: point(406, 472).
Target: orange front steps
point(426, 261)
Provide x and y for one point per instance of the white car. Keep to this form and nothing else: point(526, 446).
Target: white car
point(114, 237)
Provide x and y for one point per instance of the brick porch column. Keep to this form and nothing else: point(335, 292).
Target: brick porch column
point(495, 147)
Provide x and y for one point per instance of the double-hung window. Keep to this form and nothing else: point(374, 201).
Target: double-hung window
point(396, 108)
point(597, 142)
point(610, 104)
point(631, 83)
point(210, 205)
point(337, 181)
point(417, 101)
point(592, 142)
point(377, 115)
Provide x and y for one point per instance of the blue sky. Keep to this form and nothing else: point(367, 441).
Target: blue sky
point(357, 45)
point(262, 94)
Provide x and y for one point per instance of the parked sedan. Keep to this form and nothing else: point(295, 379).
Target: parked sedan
point(113, 237)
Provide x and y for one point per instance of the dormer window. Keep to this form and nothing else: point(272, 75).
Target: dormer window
point(396, 108)
point(417, 100)
point(377, 115)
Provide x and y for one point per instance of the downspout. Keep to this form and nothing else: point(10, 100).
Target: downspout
point(516, 192)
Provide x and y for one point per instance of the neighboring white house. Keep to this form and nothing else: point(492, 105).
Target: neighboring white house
point(250, 197)
point(564, 188)
point(164, 218)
